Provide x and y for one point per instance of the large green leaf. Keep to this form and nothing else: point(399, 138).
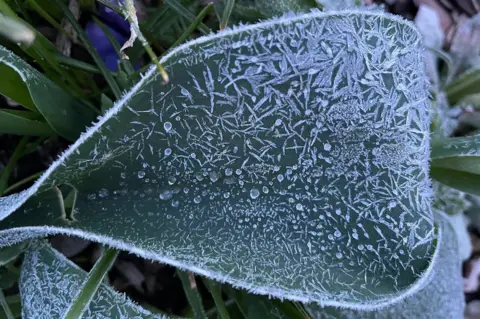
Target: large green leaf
point(441, 298)
point(25, 85)
point(289, 158)
point(456, 163)
point(49, 282)
point(18, 122)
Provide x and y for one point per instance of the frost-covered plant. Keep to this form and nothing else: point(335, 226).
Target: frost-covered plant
point(289, 158)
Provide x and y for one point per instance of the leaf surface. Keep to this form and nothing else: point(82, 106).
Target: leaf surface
point(28, 87)
point(442, 297)
point(289, 158)
point(49, 282)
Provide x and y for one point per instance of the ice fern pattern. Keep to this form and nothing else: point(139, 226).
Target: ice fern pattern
point(289, 158)
point(441, 298)
point(49, 282)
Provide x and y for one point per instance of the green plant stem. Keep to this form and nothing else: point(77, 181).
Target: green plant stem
point(5, 306)
point(193, 25)
point(192, 294)
point(95, 278)
point(18, 184)
point(93, 52)
point(226, 13)
point(48, 18)
point(74, 63)
point(7, 171)
point(187, 14)
point(132, 18)
point(216, 293)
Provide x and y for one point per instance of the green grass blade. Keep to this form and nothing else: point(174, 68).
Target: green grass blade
point(187, 14)
point(18, 123)
point(189, 30)
point(216, 292)
point(229, 4)
point(192, 293)
point(5, 306)
point(7, 171)
point(93, 52)
point(93, 282)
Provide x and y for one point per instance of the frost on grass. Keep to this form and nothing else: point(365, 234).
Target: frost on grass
point(49, 282)
point(442, 298)
point(289, 158)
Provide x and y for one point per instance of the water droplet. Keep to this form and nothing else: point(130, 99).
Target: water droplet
point(123, 175)
point(197, 199)
point(141, 174)
point(254, 193)
point(175, 203)
point(186, 190)
point(168, 151)
point(278, 122)
point(103, 193)
point(338, 212)
point(166, 195)
point(327, 147)
point(265, 189)
point(235, 149)
point(339, 255)
point(167, 126)
point(337, 233)
point(276, 168)
point(280, 177)
point(392, 205)
point(193, 155)
point(226, 195)
point(214, 176)
point(171, 180)
point(92, 196)
point(355, 235)
point(238, 171)
point(299, 207)
point(360, 247)
point(228, 172)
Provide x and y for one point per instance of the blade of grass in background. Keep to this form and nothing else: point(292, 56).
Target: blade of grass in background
point(229, 4)
point(187, 14)
point(192, 293)
point(93, 52)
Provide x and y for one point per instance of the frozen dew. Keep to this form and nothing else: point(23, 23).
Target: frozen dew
point(339, 255)
point(299, 207)
point(278, 122)
point(103, 193)
point(168, 151)
point(355, 235)
point(171, 180)
point(167, 126)
point(197, 199)
point(123, 175)
point(238, 171)
point(166, 195)
point(280, 178)
point(228, 172)
point(141, 174)
point(254, 193)
point(175, 203)
point(92, 196)
point(327, 147)
point(214, 176)
point(226, 194)
point(265, 189)
point(337, 233)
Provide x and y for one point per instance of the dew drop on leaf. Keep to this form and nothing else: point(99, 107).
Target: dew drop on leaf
point(197, 199)
point(166, 195)
point(103, 193)
point(254, 193)
point(167, 126)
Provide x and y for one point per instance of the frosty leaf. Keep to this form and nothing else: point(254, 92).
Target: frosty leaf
point(456, 163)
point(49, 282)
point(23, 84)
point(289, 158)
point(442, 297)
